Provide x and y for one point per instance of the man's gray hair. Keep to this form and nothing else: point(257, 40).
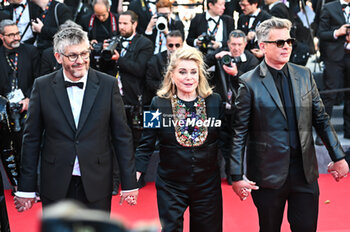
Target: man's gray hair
point(104, 2)
point(4, 23)
point(263, 30)
point(69, 23)
point(67, 37)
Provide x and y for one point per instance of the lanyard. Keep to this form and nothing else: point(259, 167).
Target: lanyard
point(13, 63)
point(43, 16)
point(20, 14)
point(215, 29)
point(161, 36)
point(347, 16)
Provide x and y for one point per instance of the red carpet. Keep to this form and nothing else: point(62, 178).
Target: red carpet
point(238, 216)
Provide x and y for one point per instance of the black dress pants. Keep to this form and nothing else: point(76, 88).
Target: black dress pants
point(204, 199)
point(302, 201)
point(76, 192)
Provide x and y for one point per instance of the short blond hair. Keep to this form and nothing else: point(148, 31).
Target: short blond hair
point(168, 88)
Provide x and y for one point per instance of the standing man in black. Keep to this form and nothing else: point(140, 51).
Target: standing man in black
point(132, 60)
point(101, 25)
point(158, 34)
point(212, 23)
point(144, 9)
point(23, 12)
point(333, 28)
point(83, 117)
point(277, 105)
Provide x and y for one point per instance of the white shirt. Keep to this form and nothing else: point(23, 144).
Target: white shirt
point(23, 21)
point(252, 19)
point(211, 26)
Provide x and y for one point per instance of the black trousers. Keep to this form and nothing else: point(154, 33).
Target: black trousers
point(302, 201)
point(76, 192)
point(204, 200)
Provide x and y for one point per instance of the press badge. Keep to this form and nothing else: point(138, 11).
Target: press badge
point(15, 96)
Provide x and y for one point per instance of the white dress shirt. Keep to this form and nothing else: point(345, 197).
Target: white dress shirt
point(23, 21)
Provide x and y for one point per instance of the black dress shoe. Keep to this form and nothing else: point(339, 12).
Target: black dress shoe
point(318, 141)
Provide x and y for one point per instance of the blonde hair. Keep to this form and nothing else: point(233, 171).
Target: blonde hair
point(168, 88)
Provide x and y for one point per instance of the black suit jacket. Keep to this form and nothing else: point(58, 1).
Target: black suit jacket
point(332, 18)
point(45, 37)
point(178, 163)
point(132, 68)
point(260, 124)
point(28, 69)
point(199, 25)
point(48, 62)
point(243, 21)
point(140, 7)
point(173, 25)
point(280, 10)
point(102, 132)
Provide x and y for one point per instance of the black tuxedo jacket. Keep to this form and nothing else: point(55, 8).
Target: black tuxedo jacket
point(102, 132)
point(140, 7)
point(28, 69)
point(260, 123)
point(45, 37)
point(199, 25)
point(173, 25)
point(132, 68)
point(243, 21)
point(332, 18)
point(178, 163)
point(48, 62)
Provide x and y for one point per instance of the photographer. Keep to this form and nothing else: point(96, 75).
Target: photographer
point(333, 32)
point(100, 25)
point(230, 63)
point(161, 24)
point(135, 51)
point(209, 30)
point(20, 66)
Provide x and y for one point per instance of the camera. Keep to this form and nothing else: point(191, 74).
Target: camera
point(162, 22)
point(227, 59)
point(15, 110)
point(206, 40)
point(97, 47)
point(114, 43)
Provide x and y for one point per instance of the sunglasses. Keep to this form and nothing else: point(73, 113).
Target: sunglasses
point(177, 45)
point(280, 43)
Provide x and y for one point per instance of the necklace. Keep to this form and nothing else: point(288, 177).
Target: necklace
point(186, 119)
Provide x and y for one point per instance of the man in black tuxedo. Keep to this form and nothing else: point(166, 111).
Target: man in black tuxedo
point(23, 12)
point(82, 116)
point(132, 60)
point(157, 65)
point(144, 10)
point(212, 23)
point(226, 84)
point(277, 105)
point(248, 21)
point(335, 51)
point(157, 28)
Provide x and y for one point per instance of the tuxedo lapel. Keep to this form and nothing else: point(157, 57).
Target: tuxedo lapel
point(269, 84)
point(62, 97)
point(92, 87)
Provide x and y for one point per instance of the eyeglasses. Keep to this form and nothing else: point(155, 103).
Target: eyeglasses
point(73, 57)
point(13, 35)
point(280, 43)
point(177, 45)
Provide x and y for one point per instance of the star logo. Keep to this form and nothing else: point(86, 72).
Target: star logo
point(156, 115)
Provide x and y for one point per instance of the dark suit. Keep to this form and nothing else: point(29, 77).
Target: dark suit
point(281, 172)
point(142, 9)
point(280, 10)
point(48, 62)
point(186, 176)
point(199, 25)
point(45, 37)
point(102, 132)
point(28, 69)
point(337, 62)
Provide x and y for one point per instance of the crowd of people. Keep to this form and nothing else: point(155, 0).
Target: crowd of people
point(78, 79)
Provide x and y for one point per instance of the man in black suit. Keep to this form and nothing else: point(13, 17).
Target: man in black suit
point(161, 24)
point(23, 12)
point(53, 15)
point(144, 10)
point(83, 117)
point(248, 21)
point(332, 31)
point(225, 81)
point(278, 9)
point(132, 60)
point(276, 107)
point(212, 23)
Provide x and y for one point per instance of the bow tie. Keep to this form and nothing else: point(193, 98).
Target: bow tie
point(343, 6)
point(252, 16)
point(211, 19)
point(17, 5)
point(77, 84)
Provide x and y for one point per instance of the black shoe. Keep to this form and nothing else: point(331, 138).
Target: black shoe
point(318, 141)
